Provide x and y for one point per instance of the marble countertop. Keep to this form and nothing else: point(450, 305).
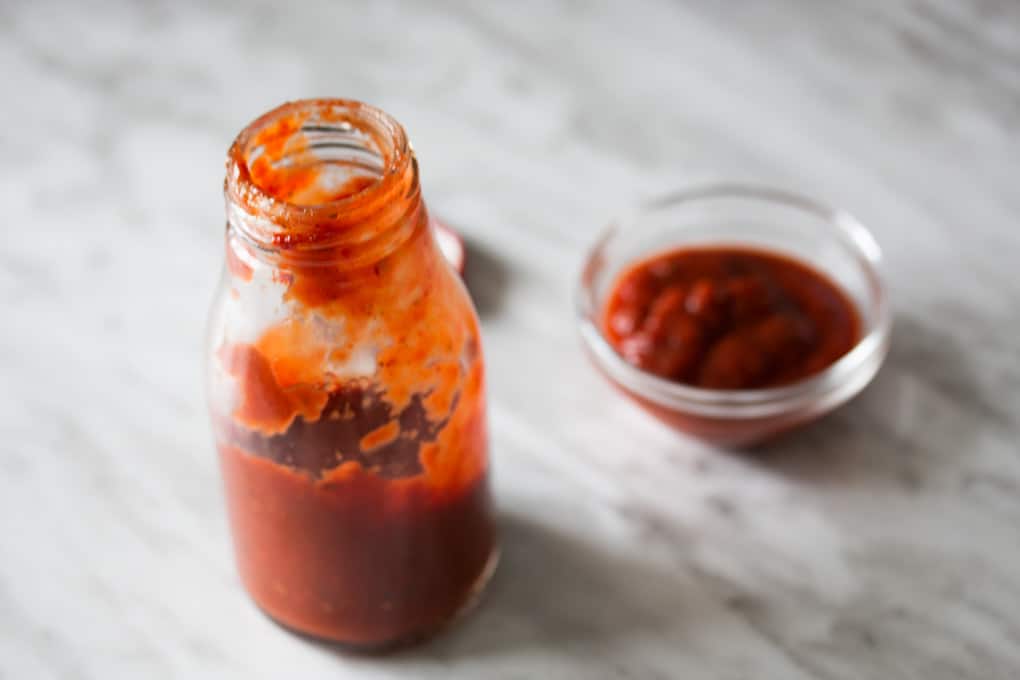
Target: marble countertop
point(879, 543)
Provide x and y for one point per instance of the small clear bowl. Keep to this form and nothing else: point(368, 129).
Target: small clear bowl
point(830, 240)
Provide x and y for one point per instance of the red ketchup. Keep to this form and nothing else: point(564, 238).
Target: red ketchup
point(729, 318)
point(347, 385)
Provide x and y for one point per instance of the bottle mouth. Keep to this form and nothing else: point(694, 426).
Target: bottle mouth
point(308, 173)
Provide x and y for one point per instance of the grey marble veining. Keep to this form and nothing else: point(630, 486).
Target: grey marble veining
point(880, 543)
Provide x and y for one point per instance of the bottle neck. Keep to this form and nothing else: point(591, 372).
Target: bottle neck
point(323, 182)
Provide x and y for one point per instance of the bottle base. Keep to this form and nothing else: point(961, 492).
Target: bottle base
point(411, 639)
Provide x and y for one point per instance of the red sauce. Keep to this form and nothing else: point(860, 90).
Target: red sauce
point(357, 542)
point(359, 503)
point(729, 318)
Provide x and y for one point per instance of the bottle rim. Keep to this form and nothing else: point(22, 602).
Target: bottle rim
point(375, 141)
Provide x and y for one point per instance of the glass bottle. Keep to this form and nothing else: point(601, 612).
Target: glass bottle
point(346, 384)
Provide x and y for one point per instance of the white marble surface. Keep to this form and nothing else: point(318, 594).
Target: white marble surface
point(881, 543)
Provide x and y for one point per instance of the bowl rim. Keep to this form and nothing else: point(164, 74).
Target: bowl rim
point(865, 356)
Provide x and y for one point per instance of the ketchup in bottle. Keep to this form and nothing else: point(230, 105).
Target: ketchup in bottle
point(346, 384)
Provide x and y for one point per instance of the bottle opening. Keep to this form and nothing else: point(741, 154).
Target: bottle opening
point(307, 172)
point(316, 163)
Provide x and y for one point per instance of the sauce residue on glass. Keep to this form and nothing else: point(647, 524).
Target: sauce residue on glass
point(359, 498)
point(729, 318)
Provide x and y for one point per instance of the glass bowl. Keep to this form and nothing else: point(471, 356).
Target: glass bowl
point(829, 240)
